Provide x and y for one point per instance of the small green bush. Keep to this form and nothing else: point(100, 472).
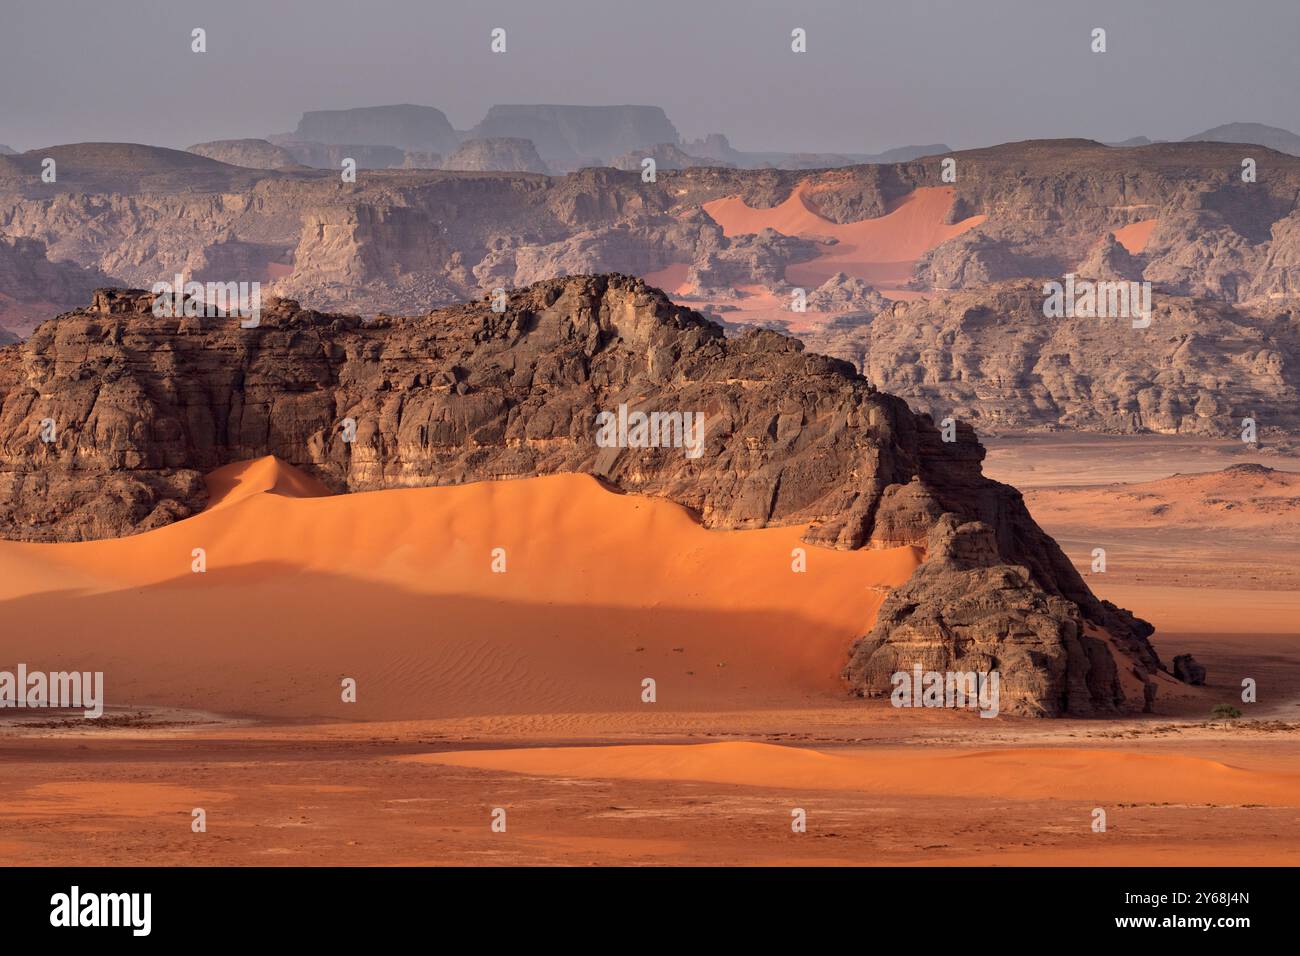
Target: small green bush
point(1225, 710)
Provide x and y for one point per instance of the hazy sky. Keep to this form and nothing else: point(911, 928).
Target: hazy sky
point(876, 74)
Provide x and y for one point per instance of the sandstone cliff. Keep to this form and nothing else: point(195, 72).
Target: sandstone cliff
point(139, 407)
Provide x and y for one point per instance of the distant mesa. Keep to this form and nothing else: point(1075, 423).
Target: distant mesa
point(565, 138)
point(6, 151)
point(404, 127)
point(569, 137)
point(1274, 137)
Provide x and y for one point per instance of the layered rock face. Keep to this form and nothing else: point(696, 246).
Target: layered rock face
point(991, 357)
point(110, 415)
point(967, 609)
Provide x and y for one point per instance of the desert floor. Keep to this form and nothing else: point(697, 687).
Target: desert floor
point(522, 690)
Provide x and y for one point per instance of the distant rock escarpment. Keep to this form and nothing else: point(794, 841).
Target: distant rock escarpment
point(110, 415)
point(1274, 137)
point(404, 127)
point(568, 137)
point(666, 156)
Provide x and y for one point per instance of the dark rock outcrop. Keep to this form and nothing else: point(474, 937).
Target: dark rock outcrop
point(1187, 669)
point(141, 406)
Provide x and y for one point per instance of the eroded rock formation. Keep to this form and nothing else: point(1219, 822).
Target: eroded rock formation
point(991, 357)
point(110, 415)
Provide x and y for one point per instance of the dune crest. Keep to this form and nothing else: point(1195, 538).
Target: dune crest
point(512, 596)
point(269, 475)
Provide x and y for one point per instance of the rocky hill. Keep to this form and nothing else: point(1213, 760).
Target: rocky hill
point(501, 154)
point(139, 407)
point(253, 153)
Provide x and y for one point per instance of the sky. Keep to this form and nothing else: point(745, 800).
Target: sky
point(875, 75)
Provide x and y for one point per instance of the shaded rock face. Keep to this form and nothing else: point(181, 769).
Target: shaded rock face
point(842, 293)
point(142, 406)
point(1110, 260)
point(968, 609)
point(501, 154)
point(31, 285)
point(1187, 669)
point(404, 127)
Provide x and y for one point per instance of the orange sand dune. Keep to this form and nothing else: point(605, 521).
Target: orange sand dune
point(265, 476)
point(671, 278)
point(396, 590)
point(1013, 774)
point(1135, 235)
point(880, 251)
